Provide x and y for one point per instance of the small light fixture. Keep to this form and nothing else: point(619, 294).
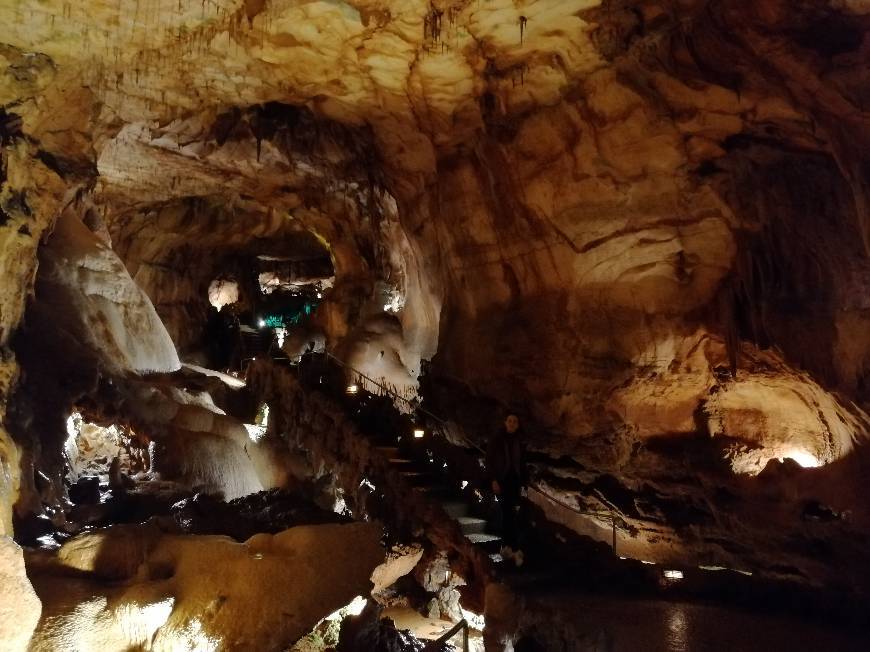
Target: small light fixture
point(353, 388)
point(319, 295)
point(418, 433)
point(464, 484)
point(261, 323)
point(673, 574)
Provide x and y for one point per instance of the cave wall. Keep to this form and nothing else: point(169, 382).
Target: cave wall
point(43, 164)
point(567, 179)
point(658, 204)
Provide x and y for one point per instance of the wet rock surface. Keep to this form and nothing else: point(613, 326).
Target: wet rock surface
point(143, 587)
point(268, 511)
point(369, 631)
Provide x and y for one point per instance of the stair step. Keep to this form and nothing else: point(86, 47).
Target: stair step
point(381, 440)
point(403, 466)
point(389, 452)
point(436, 492)
point(472, 525)
point(417, 478)
point(456, 509)
point(483, 538)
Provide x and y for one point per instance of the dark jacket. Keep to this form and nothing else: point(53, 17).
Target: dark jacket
point(506, 457)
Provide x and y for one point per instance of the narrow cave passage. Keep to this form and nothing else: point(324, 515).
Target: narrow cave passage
point(268, 302)
point(494, 326)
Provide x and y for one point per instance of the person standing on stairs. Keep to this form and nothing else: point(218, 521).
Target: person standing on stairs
point(506, 468)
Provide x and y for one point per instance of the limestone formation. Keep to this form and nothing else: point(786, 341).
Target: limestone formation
point(19, 606)
point(83, 278)
point(200, 592)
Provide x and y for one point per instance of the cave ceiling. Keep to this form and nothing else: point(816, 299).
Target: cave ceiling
point(585, 178)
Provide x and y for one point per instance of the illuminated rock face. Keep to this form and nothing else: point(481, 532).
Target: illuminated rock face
point(571, 180)
point(19, 606)
point(201, 592)
point(638, 224)
point(85, 280)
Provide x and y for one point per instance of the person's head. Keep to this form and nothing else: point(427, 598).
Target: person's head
point(512, 423)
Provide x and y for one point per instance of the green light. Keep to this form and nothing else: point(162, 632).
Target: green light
point(290, 316)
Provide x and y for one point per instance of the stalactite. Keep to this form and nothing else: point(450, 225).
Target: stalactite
point(432, 25)
point(523, 21)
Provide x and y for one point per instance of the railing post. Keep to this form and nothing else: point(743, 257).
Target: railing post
point(613, 531)
point(446, 636)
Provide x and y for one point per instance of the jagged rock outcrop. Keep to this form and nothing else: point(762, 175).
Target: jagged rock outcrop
point(172, 592)
point(20, 608)
point(82, 277)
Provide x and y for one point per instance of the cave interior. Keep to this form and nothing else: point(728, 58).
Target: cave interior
point(278, 275)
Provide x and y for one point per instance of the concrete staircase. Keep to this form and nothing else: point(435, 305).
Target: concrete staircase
point(410, 459)
point(254, 343)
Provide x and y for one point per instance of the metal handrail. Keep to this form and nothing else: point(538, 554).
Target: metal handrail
point(608, 515)
point(450, 633)
point(386, 389)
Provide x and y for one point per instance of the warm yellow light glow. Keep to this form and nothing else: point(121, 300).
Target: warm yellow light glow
point(475, 621)
point(353, 388)
point(194, 637)
point(255, 432)
point(156, 614)
point(803, 458)
point(673, 574)
point(418, 433)
point(353, 608)
point(356, 606)
point(753, 462)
